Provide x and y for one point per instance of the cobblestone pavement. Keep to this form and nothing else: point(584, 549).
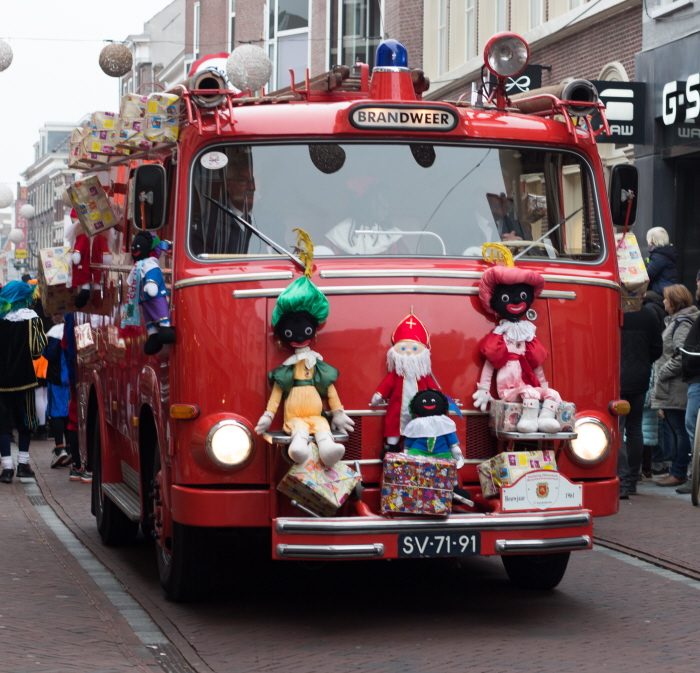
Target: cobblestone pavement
point(609, 613)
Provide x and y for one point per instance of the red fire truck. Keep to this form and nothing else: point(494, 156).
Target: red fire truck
point(398, 195)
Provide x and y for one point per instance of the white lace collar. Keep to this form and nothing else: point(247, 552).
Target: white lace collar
point(21, 314)
point(305, 354)
point(522, 330)
point(429, 426)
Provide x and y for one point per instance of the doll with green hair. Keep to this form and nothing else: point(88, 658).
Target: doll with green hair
point(303, 380)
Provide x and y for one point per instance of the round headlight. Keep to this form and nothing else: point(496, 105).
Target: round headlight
point(229, 443)
point(592, 443)
point(506, 54)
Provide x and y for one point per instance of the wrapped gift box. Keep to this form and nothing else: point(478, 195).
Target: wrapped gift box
point(633, 272)
point(504, 416)
point(77, 147)
point(506, 468)
point(322, 489)
point(92, 205)
point(85, 342)
point(55, 265)
point(417, 485)
point(162, 117)
point(55, 299)
point(132, 123)
point(566, 415)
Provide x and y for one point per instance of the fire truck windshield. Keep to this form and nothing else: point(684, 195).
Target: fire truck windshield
point(392, 199)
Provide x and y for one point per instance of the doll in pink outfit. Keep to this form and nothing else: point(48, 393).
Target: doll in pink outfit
point(513, 350)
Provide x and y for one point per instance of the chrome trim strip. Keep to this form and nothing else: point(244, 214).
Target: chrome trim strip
point(391, 289)
point(465, 522)
point(281, 437)
point(124, 498)
point(233, 278)
point(382, 412)
point(539, 546)
point(121, 268)
point(330, 551)
point(448, 273)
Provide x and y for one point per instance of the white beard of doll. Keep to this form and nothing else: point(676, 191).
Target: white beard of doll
point(409, 366)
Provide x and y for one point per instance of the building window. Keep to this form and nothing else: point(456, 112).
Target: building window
point(232, 26)
point(536, 13)
point(288, 40)
point(195, 38)
point(573, 4)
point(355, 28)
point(501, 16)
point(443, 13)
point(469, 32)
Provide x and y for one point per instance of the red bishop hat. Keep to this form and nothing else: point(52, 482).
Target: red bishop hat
point(411, 329)
point(73, 214)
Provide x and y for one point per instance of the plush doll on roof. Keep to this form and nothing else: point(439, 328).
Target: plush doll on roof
point(512, 350)
point(304, 379)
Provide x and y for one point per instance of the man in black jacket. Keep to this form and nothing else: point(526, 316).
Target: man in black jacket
point(641, 346)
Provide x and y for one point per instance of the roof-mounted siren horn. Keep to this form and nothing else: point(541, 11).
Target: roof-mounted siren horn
point(391, 77)
point(505, 55)
point(207, 79)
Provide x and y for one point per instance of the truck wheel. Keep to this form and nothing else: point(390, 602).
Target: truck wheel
point(184, 553)
point(536, 571)
point(114, 527)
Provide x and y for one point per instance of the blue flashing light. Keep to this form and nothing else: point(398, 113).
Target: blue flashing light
point(391, 53)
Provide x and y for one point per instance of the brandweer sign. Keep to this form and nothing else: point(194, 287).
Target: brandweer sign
point(403, 118)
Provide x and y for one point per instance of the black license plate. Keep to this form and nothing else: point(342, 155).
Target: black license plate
point(414, 545)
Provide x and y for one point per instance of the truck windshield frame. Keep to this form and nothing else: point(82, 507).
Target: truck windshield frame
point(392, 198)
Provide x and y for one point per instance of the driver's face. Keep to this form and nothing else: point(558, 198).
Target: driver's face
point(241, 189)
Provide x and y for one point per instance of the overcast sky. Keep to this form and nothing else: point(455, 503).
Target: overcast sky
point(58, 81)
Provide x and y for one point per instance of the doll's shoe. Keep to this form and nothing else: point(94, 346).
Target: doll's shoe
point(528, 421)
point(82, 298)
point(153, 345)
point(547, 421)
point(166, 335)
point(329, 452)
point(299, 450)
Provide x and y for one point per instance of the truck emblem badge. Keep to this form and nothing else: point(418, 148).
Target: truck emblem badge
point(542, 489)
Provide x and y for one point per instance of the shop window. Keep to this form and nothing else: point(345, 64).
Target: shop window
point(469, 30)
point(443, 27)
point(501, 15)
point(355, 31)
point(232, 26)
point(536, 13)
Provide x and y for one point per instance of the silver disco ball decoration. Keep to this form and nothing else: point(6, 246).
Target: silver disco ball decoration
point(116, 59)
point(6, 196)
point(5, 55)
point(248, 67)
point(27, 211)
point(16, 236)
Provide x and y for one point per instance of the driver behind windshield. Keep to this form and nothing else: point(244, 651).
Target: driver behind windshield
point(492, 223)
point(371, 212)
point(216, 232)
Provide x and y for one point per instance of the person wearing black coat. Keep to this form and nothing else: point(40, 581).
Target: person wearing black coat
point(661, 263)
point(641, 347)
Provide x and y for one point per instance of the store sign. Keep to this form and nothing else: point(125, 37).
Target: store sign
point(403, 118)
point(680, 101)
point(624, 109)
point(527, 80)
point(21, 224)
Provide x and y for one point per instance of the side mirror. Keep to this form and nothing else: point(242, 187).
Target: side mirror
point(147, 196)
point(624, 180)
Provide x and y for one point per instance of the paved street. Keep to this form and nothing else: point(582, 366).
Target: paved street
point(611, 612)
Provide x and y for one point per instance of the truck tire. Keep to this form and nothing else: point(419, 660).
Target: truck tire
point(114, 527)
point(536, 571)
point(184, 553)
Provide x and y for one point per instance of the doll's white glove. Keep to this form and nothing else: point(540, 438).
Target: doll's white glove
point(341, 421)
point(264, 423)
point(151, 288)
point(482, 397)
point(457, 455)
point(76, 257)
point(377, 400)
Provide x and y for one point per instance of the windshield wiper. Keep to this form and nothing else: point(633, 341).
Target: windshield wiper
point(257, 232)
point(548, 233)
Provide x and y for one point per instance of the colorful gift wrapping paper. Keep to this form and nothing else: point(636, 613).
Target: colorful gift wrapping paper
point(92, 205)
point(322, 489)
point(162, 117)
point(55, 264)
point(506, 468)
point(633, 272)
point(566, 415)
point(132, 122)
point(417, 485)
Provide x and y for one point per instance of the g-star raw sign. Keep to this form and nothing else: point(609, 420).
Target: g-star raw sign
point(680, 101)
point(403, 118)
point(541, 489)
point(624, 109)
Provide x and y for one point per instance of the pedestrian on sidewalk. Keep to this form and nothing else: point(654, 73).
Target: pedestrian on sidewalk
point(22, 338)
point(661, 263)
point(58, 391)
point(691, 375)
point(670, 392)
point(641, 347)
